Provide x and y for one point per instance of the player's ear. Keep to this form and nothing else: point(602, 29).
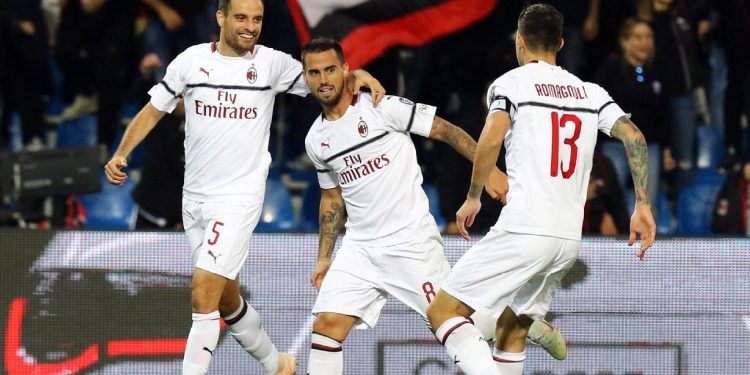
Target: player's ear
point(346, 69)
point(220, 18)
point(562, 44)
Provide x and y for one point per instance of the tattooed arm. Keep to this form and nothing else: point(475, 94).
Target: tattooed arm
point(464, 144)
point(332, 219)
point(642, 221)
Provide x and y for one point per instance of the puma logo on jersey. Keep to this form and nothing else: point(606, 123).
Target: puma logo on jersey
point(325, 145)
point(202, 70)
point(214, 256)
point(208, 350)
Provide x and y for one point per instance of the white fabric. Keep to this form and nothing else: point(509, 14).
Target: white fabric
point(324, 362)
point(360, 279)
point(380, 181)
point(228, 108)
point(517, 270)
point(543, 199)
point(249, 333)
point(466, 346)
point(201, 343)
point(219, 233)
point(509, 363)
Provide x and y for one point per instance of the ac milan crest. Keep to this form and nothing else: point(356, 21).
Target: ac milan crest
point(362, 128)
point(252, 75)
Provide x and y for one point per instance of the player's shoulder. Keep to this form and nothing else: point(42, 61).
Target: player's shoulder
point(595, 91)
point(202, 49)
point(273, 54)
point(509, 78)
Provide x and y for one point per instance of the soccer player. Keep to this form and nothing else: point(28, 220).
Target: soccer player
point(548, 119)
point(371, 182)
point(229, 89)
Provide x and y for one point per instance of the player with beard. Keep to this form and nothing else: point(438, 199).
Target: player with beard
point(371, 183)
point(229, 89)
point(548, 119)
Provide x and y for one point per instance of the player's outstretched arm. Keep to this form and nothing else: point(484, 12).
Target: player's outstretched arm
point(485, 158)
point(332, 219)
point(357, 79)
point(444, 131)
point(141, 125)
point(642, 222)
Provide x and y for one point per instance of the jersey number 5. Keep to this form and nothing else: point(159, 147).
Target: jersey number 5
point(561, 121)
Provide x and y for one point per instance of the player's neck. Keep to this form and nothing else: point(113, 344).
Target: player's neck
point(226, 50)
point(337, 111)
point(546, 57)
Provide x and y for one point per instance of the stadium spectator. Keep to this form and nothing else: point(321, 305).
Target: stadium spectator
point(173, 26)
point(95, 45)
point(732, 209)
point(26, 76)
point(677, 67)
point(604, 212)
point(629, 79)
point(159, 190)
point(732, 33)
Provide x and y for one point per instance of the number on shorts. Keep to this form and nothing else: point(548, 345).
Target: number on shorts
point(215, 229)
point(429, 291)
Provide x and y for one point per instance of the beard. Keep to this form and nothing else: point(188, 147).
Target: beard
point(332, 100)
point(234, 42)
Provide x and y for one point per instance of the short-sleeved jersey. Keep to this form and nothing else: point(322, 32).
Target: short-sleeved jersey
point(228, 107)
point(370, 154)
point(549, 146)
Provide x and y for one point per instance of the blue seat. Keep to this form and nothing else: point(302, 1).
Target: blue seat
point(696, 203)
point(710, 147)
point(111, 209)
point(79, 132)
point(278, 212)
point(665, 224)
point(433, 197)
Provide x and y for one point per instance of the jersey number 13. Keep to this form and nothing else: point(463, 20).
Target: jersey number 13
point(561, 121)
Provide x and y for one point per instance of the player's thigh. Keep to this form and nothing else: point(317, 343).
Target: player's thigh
point(226, 237)
point(351, 287)
point(413, 273)
point(195, 227)
point(490, 273)
point(535, 297)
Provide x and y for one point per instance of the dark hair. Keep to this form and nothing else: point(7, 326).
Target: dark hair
point(629, 24)
point(541, 26)
point(224, 5)
point(322, 44)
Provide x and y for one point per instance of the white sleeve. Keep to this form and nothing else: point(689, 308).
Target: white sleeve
point(502, 96)
point(403, 115)
point(609, 111)
point(166, 94)
point(288, 77)
point(327, 178)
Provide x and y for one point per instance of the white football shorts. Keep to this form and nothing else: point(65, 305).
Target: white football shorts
point(518, 270)
point(219, 233)
point(361, 279)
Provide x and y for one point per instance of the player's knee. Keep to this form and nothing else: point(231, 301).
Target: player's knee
point(332, 325)
point(229, 304)
point(203, 301)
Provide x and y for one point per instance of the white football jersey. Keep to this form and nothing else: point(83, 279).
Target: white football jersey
point(549, 146)
point(228, 107)
point(369, 153)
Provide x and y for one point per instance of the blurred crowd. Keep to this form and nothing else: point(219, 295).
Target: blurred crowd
point(679, 67)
